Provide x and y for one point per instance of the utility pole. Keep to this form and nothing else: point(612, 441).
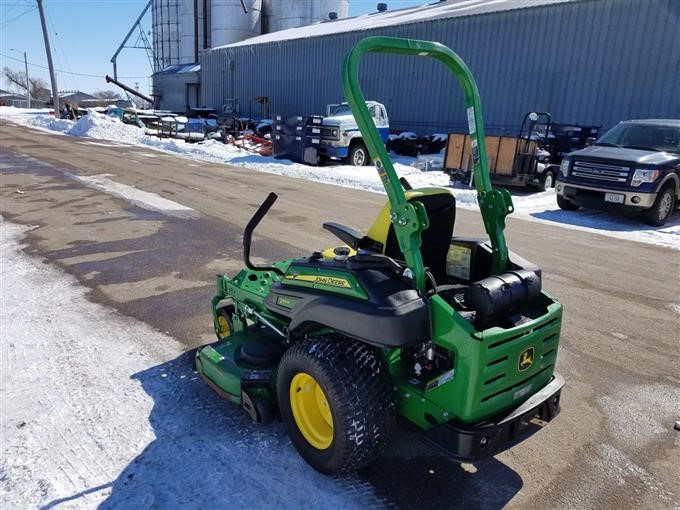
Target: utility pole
point(53, 77)
point(28, 83)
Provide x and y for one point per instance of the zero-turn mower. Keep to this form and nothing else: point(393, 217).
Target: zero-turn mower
point(452, 335)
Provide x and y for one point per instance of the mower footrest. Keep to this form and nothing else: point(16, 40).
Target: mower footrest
point(466, 443)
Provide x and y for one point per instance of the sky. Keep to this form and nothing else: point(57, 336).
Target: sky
point(84, 34)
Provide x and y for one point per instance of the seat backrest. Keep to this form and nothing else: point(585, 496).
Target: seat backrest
point(440, 205)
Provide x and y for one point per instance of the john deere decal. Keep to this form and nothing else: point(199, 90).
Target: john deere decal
point(526, 359)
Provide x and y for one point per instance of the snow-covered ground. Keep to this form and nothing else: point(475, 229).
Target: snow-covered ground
point(143, 199)
point(100, 409)
point(541, 207)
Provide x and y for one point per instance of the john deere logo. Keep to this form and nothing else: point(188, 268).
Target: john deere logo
point(330, 281)
point(526, 359)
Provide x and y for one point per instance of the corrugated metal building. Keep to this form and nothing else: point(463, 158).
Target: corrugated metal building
point(584, 61)
point(178, 86)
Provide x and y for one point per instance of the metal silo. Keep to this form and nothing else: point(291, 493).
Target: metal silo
point(229, 23)
point(192, 25)
point(166, 32)
point(283, 14)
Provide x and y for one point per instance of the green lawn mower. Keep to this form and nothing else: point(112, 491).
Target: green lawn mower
point(408, 323)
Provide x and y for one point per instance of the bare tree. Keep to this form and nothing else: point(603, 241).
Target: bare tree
point(17, 79)
point(107, 94)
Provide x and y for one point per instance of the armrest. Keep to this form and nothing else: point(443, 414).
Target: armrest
point(347, 235)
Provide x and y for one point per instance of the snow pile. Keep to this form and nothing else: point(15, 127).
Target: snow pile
point(49, 123)
point(103, 127)
point(105, 410)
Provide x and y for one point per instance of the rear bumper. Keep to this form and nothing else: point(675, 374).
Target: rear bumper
point(465, 443)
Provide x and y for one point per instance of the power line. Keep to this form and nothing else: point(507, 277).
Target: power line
point(68, 72)
point(7, 23)
point(58, 46)
point(11, 7)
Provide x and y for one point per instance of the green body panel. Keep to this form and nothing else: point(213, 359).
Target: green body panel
point(486, 379)
point(343, 283)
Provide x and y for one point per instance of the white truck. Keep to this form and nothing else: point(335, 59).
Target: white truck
point(340, 135)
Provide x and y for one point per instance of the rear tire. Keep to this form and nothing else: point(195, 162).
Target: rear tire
point(358, 154)
point(565, 204)
point(663, 207)
point(356, 402)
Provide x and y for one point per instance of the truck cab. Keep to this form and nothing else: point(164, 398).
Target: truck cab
point(635, 165)
point(340, 135)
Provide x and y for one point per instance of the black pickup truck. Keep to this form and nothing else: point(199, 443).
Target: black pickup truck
point(635, 165)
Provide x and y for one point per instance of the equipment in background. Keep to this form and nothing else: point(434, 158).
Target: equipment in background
point(531, 159)
point(297, 138)
point(254, 144)
point(410, 144)
point(72, 111)
point(263, 101)
point(129, 90)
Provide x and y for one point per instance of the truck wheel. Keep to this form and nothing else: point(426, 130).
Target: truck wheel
point(565, 204)
point(335, 399)
point(358, 155)
point(547, 180)
point(663, 207)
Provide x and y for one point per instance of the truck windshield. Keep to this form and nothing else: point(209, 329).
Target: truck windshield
point(340, 109)
point(344, 109)
point(651, 137)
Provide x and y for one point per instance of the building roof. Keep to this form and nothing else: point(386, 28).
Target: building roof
point(66, 94)
point(438, 10)
point(180, 69)
point(12, 95)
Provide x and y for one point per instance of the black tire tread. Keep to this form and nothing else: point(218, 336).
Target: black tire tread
point(358, 389)
point(651, 215)
point(566, 204)
point(353, 147)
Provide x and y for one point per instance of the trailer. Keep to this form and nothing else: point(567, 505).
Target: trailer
point(531, 159)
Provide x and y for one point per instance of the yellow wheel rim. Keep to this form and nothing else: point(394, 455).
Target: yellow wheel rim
point(225, 328)
point(311, 411)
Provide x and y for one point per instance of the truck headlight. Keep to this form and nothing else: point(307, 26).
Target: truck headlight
point(643, 175)
point(335, 133)
point(564, 167)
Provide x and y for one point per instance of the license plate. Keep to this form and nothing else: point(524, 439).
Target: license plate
point(616, 198)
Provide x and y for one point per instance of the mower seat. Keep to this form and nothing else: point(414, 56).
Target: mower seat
point(440, 205)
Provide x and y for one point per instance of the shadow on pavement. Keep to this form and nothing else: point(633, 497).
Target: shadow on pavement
point(617, 222)
point(208, 454)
